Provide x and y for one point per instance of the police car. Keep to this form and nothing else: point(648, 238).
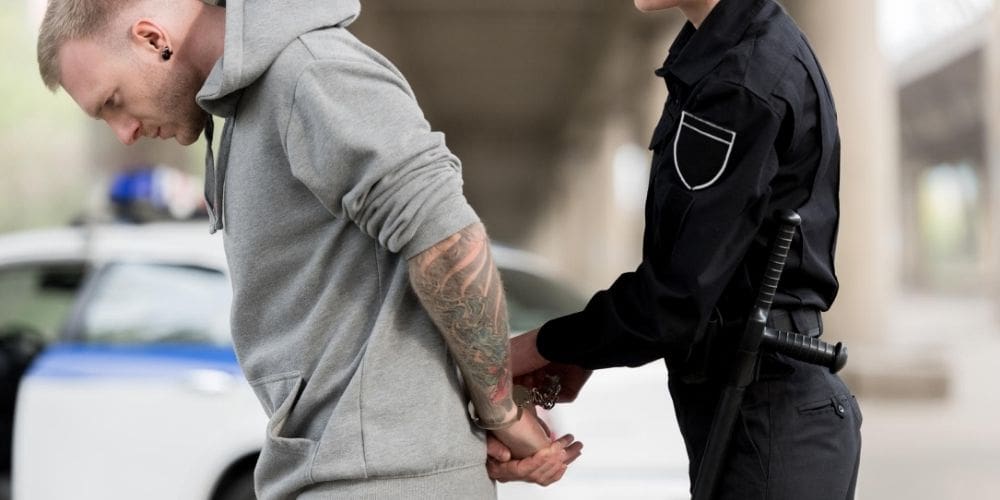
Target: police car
point(118, 370)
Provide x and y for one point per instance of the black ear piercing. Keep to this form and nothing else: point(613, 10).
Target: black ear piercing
point(166, 53)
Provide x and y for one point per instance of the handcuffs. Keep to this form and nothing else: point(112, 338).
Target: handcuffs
point(523, 397)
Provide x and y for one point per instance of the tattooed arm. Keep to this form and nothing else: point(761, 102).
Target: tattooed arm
point(459, 285)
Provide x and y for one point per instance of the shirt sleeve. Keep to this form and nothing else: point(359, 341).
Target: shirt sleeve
point(358, 140)
point(710, 192)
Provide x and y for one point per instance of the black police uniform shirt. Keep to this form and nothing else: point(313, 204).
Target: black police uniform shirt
point(749, 127)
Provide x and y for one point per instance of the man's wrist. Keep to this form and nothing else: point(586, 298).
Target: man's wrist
point(494, 415)
point(525, 436)
point(501, 425)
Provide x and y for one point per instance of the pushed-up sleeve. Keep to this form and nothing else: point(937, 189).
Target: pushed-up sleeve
point(358, 140)
point(710, 197)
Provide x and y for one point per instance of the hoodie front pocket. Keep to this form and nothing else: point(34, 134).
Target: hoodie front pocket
point(284, 462)
point(279, 395)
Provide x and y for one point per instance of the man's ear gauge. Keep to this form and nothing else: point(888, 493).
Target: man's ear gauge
point(166, 53)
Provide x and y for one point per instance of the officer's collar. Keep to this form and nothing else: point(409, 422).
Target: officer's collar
point(696, 51)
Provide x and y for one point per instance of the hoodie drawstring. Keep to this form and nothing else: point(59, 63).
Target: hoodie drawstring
point(215, 174)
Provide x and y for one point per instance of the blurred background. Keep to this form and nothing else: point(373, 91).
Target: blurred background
point(551, 104)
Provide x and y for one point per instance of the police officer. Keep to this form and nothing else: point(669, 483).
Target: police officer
point(749, 127)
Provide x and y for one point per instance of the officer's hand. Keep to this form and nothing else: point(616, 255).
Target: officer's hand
point(543, 468)
point(571, 379)
point(524, 355)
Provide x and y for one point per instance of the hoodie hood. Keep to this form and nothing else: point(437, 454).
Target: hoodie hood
point(256, 33)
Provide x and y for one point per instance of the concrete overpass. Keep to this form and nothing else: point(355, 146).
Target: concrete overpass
point(550, 105)
point(542, 100)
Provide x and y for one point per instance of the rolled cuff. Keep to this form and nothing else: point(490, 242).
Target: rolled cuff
point(448, 217)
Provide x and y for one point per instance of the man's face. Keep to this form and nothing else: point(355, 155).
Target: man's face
point(134, 91)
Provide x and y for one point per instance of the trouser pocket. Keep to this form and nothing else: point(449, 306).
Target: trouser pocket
point(816, 450)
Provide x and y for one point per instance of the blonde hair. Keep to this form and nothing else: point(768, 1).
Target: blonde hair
point(67, 20)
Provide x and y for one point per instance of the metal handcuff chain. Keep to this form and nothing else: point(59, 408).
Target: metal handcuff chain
point(545, 396)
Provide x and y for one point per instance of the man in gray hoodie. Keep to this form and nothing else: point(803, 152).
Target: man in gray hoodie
point(361, 276)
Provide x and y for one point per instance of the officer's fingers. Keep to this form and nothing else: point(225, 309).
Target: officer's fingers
point(496, 450)
point(527, 380)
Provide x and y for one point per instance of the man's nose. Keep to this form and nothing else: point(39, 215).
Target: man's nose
point(127, 129)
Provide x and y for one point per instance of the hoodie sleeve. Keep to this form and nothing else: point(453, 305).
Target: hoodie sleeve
point(358, 140)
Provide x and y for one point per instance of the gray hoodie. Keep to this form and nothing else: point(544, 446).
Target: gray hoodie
point(328, 178)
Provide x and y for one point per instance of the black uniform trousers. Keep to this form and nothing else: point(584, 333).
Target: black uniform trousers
point(797, 436)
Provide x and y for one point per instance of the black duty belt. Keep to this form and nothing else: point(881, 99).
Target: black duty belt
point(713, 354)
point(808, 322)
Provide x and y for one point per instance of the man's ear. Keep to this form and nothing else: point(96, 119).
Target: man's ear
point(149, 37)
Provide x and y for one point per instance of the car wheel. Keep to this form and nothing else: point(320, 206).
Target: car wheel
point(239, 488)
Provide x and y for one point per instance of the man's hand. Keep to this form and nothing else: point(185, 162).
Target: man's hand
point(543, 468)
point(526, 437)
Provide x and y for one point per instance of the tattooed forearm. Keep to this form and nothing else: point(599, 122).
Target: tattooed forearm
point(459, 285)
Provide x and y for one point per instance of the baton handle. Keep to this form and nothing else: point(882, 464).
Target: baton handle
point(806, 349)
point(788, 222)
point(727, 408)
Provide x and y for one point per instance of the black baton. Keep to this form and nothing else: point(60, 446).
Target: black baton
point(755, 334)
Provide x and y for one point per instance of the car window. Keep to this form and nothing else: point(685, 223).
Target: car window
point(533, 300)
point(153, 303)
point(38, 297)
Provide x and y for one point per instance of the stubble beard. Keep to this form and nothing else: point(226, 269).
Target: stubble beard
point(180, 104)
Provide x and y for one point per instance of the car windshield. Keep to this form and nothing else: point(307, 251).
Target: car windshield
point(154, 303)
point(136, 303)
point(533, 300)
point(38, 297)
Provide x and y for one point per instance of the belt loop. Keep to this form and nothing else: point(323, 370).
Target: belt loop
point(779, 319)
point(808, 322)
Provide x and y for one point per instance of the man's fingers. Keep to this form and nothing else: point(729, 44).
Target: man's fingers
point(503, 471)
point(543, 468)
point(565, 441)
point(555, 475)
point(573, 452)
point(537, 472)
point(496, 450)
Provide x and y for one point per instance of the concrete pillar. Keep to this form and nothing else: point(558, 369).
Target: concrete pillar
point(593, 226)
point(843, 34)
point(991, 98)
